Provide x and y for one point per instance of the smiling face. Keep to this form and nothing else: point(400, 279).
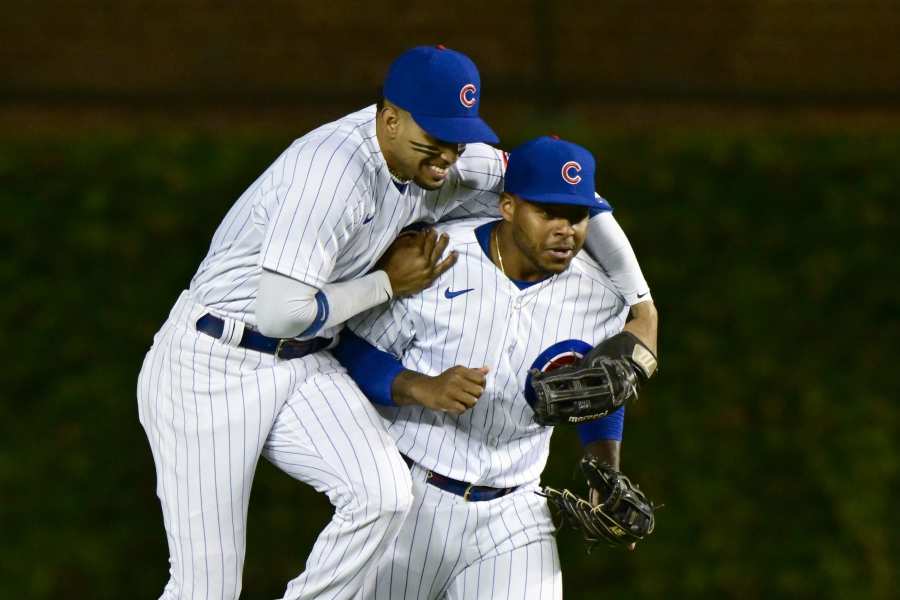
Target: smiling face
point(546, 237)
point(410, 152)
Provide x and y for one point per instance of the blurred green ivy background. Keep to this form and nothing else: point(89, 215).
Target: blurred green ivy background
point(771, 433)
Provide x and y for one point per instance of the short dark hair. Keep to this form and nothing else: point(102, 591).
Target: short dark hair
point(379, 93)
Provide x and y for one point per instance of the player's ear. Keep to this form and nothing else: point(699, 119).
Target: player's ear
point(507, 206)
point(391, 119)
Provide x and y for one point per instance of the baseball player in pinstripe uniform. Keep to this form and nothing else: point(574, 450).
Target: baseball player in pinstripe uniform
point(241, 369)
point(520, 297)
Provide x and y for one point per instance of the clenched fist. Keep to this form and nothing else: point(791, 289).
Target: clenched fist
point(455, 391)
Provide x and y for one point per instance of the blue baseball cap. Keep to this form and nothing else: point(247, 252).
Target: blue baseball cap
point(441, 88)
point(553, 171)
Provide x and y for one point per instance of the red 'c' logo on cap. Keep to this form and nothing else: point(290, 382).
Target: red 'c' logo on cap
point(467, 95)
point(567, 172)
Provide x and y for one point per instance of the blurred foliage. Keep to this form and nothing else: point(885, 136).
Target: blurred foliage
point(771, 433)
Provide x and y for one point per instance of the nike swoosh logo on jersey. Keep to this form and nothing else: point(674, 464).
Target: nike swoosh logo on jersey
point(642, 295)
point(368, 219)
point(450, 295)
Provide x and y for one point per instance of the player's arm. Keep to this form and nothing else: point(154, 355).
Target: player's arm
point(373, 370)
point(383, 379)
point(643, 323)
point(607, 243)
point(603, 437)
point(287, 307)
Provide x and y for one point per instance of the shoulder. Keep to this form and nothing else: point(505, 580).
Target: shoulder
point(344, 144)
point(357, 125)
point(461, 232)
point(481, 163)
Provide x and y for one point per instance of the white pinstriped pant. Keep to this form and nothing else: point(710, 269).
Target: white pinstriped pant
point(452, 549)
point(210, 410)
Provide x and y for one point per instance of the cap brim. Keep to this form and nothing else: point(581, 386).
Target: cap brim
point(457, 130)
point(594, 204)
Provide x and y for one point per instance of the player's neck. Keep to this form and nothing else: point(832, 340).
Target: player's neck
point(507, 256)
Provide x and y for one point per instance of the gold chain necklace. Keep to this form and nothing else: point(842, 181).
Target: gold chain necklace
point(497, 243)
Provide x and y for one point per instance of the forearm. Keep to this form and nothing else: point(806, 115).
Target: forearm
point(644, 323)
point(608, 451)
point(385, 381)
point(287, 308)
point(408, 387)
point(601, 437)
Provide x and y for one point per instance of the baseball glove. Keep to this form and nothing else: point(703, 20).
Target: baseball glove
point(623, 515)
point(595, 386)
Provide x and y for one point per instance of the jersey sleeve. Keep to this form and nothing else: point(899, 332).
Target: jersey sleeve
point(609, 246)
point(481, 171)
point(320, 190)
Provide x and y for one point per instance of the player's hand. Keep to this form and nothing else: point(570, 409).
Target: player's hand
point(454, 391)
point(413, 261)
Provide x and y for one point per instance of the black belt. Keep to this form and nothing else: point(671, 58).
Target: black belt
point(253, 340)
point(470, 492)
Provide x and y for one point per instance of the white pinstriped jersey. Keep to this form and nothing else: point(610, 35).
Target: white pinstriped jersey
point(326, 210)
point(475, 316)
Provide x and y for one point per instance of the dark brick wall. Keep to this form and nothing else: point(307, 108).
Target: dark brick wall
point(838, 51)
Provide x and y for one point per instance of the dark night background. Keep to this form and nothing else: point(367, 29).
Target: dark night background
point(752, 152)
